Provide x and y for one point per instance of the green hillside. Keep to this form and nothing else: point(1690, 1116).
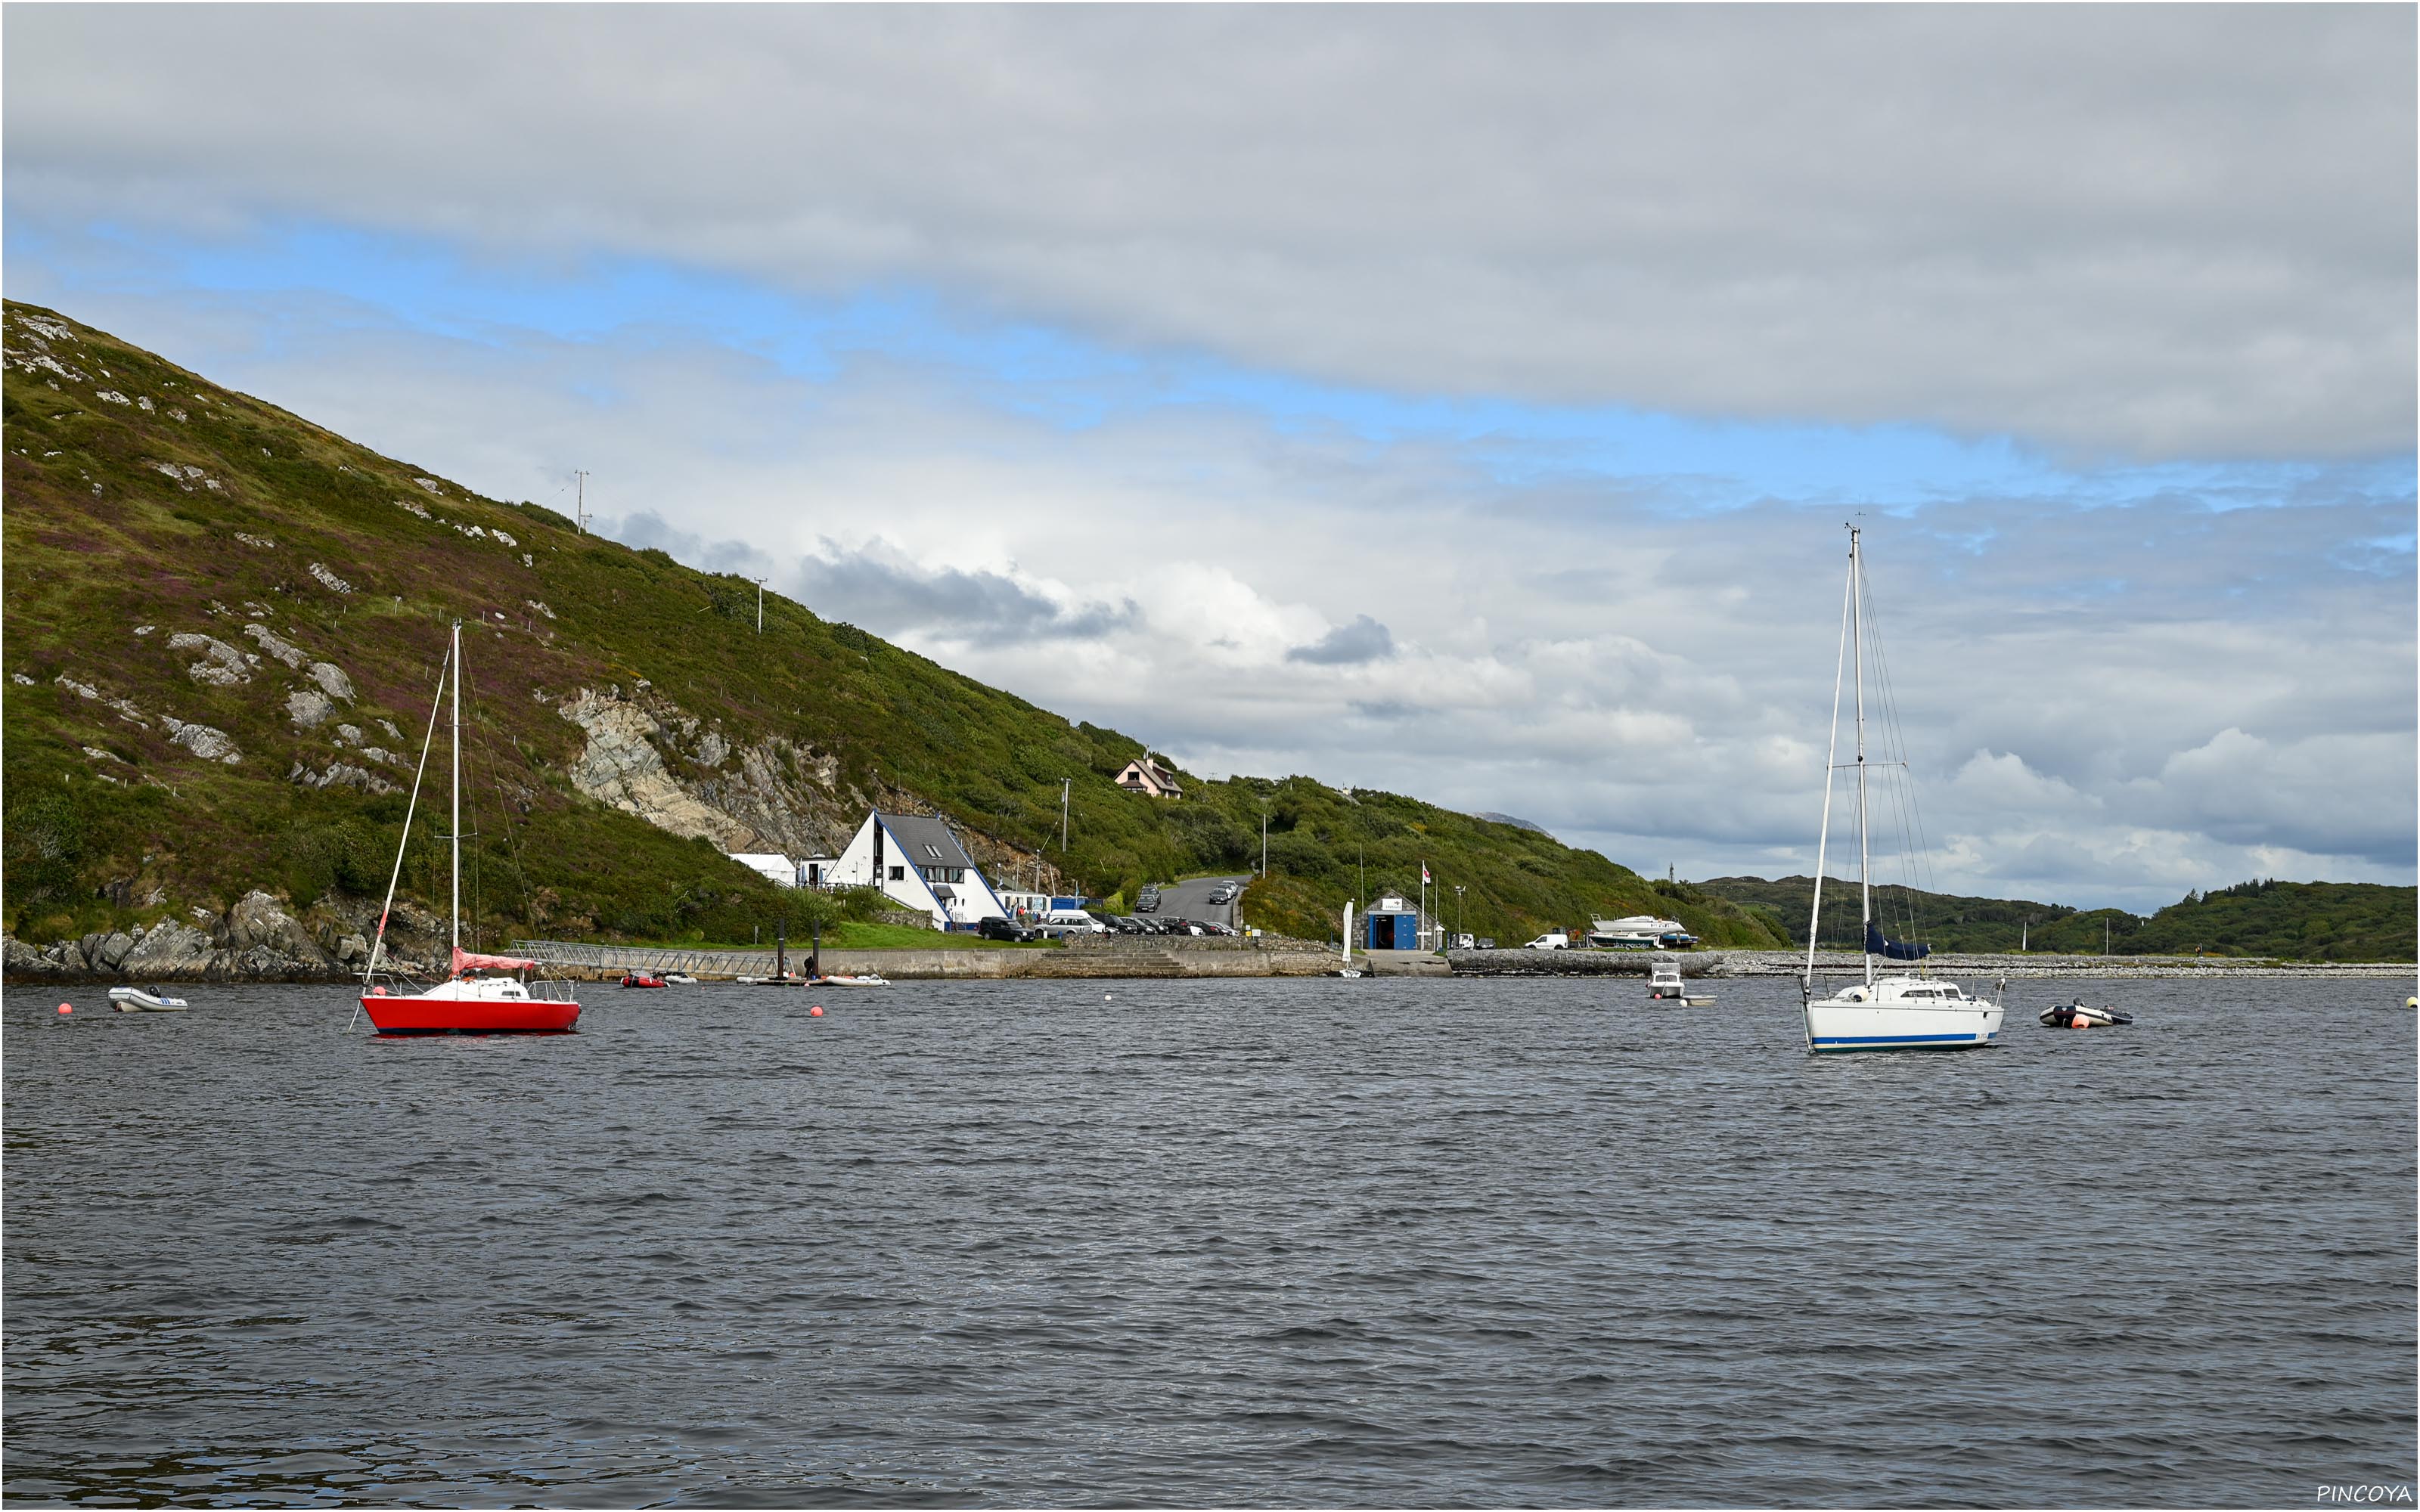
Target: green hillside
point(192, 574)
point(2281, 920)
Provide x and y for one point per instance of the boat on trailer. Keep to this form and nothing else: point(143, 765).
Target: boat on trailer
point(1893, 1013)
point(481, 994)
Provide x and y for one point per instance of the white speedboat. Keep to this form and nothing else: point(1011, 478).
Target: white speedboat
point(1897, 1012)
point(2082, 1015)
point(869, 979)
point(144, 1000)
point(1664, 985)
point(679, 978)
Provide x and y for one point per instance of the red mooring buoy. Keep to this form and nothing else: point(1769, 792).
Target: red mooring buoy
point(816, 1012)
point(64, 1007)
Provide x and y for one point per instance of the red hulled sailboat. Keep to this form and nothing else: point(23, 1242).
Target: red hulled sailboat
point(482, 993)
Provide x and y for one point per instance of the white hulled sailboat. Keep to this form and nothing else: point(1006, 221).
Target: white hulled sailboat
point(1894, 1013)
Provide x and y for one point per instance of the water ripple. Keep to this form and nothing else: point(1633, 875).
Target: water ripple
point(1249, 1242)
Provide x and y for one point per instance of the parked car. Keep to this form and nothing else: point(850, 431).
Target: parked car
point(1072, 920)
point(1551, 940)
point(1006, 929)
point(1147, 903)
point(1222, 893)
point(1219, 929)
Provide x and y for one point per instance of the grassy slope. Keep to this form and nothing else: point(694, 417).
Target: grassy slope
point(2287, 921)
point(100, 542)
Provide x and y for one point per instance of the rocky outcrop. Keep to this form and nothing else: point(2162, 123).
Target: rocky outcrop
point(332, 680)
point(340, 775)
point(276, 645)
point(259, 938)
point(308, 708)
point(211, 745)
point(647, 757)
point(222, 664)
point(622, 765)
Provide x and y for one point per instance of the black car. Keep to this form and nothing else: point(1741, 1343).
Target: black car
point(1006, 929)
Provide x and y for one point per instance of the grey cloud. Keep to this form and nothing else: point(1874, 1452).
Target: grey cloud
point(2154, 231)
point(1348, 645)
point(891, 594)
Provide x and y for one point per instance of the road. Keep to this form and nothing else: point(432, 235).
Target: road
point(1192, 900)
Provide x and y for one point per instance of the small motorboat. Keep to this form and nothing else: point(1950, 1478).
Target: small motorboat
point(144, 1000)
point(679, 978)
point(640, 978)
point(866, 979)
point(1664, 985)
point(2082, 1015)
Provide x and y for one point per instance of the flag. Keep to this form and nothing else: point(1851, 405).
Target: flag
point(1424, 873)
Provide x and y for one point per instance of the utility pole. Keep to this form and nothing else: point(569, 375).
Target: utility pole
point(1265, 841)
point(1457, 908)
point(580, 499)
point(760, 606)
point(1064, 784)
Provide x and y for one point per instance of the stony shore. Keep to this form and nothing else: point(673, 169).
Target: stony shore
point(258, 940)
point(1831, 963)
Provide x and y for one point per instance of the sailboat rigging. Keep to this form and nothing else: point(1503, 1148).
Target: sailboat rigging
point(482, 993)
point(1897, 1012)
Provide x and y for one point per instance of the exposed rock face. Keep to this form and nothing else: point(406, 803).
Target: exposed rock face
point(171, 949)
point(308, 708)
point(209, 744)
point(221, 664)
point(621, 767)
point(329, 580)
point(259, 921)
point(332, 679)
point(647, 757)
point(284, 650)
point(341, 775)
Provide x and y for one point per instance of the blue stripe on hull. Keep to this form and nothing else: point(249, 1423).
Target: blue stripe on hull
point(1839, 1044)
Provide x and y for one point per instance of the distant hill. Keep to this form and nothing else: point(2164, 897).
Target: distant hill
point(1508, 819)
point(222, 627)
point(2284, 920)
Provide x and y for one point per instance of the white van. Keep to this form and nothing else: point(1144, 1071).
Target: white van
point(1072, 922)
point(1553, 940)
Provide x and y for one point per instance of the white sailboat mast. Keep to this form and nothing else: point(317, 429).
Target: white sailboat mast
point(1858, 639)
point(1831, 764)
point(457, 787)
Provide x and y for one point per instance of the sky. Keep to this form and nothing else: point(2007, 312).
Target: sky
point(1462, 401)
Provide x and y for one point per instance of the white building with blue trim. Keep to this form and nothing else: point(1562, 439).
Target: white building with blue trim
point(919, 864)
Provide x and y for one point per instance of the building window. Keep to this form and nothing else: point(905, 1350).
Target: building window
point(898, 874)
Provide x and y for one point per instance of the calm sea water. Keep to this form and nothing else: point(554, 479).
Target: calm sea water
point(1398, 1243)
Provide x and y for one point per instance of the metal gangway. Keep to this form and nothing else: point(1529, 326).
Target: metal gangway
point(617, 960)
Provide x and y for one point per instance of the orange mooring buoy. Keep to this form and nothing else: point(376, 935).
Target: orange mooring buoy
point(64, 1007)
point(816, 1012)
point(2079, 1022)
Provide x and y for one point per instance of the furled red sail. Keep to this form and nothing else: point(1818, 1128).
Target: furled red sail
point(467, 961)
